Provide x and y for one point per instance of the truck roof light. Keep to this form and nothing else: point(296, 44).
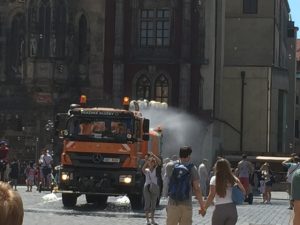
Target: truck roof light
point(126, 101)
point(82, 99)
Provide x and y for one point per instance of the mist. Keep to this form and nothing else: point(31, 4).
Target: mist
point(179, 129)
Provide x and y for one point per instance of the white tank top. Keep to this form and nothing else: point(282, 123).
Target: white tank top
point(220, 200)
point(150, 176)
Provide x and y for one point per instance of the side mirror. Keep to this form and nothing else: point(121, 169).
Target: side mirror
point(60, 123)
point(63, 134)
point(146, 126)
point(145, 137)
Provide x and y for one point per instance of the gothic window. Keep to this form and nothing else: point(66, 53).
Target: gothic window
point(154, 28)
point(44, 28)
point(82, 39)
point(1, 52)
point(1, 26)
point(157, 89)
point(15, 48)
point(161, 89)
point(143, 86)
point(58, 41)
point(32, 19)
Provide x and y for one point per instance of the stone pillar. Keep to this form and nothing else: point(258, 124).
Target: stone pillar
point(118, 66)
point(185, 65)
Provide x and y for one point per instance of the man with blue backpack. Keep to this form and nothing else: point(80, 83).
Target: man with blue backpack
point(184, 181)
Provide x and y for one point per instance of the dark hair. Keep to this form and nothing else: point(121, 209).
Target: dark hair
point(185, 152)
point(244, 156)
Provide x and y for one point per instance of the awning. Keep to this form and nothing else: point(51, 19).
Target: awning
point(257, 158)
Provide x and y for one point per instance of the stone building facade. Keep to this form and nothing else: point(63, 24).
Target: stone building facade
point(191, 54)
point(54, 50)
point(297, 111)
point(259, 77)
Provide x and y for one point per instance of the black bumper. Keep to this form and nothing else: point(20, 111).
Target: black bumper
point(99, 181)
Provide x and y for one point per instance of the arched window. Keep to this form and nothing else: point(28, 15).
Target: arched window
point(15, 48)
point(82, 39)
point(58, 42)
point(32, 19)
point(161, 89)
point(32, 28)
point(44, 28)
point(143, 87)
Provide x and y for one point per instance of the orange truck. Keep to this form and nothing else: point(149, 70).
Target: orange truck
point(102, 153)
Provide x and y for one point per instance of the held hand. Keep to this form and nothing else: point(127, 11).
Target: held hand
point(202, 212)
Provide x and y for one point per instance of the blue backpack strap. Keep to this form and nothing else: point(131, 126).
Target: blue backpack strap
point(190, 166)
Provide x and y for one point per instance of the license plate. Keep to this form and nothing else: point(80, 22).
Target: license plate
point(111, 160)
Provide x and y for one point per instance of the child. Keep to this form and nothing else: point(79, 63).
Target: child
point(30, 173)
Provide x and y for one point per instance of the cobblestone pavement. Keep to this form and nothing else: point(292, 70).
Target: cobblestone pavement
point(40, 211)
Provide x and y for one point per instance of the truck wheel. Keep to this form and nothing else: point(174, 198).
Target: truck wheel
point(91, 198)
point(40, 187)
point(69, 200)
point(136, 201)
point(101, 201)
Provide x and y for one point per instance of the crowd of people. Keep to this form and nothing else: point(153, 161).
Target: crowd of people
point(177, 179)
point(214, 186)
point(29, 173)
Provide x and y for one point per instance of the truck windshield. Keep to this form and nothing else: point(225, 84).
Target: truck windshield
point(111, 129)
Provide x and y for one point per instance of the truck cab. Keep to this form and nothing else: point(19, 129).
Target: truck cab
point(102, 153)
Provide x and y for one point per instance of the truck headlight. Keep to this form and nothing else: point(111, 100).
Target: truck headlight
point(65, 176)
point(127, 179)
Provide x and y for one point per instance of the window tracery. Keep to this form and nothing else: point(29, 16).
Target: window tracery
point(47, 23)
point(159, 90)
point(143, 87)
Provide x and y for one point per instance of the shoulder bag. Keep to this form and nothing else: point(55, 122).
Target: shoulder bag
point(237, 195)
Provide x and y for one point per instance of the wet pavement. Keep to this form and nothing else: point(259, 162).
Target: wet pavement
point(42, 208)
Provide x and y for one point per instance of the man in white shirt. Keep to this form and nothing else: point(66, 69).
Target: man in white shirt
point(46, 166)
point(203, 174)
point(292, 165)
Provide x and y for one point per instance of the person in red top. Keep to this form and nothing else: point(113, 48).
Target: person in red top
point(244, 169)
point(3, 150)
point(3, 158)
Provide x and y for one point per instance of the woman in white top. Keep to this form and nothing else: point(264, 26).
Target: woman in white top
point(225, 212)
point(151, 187)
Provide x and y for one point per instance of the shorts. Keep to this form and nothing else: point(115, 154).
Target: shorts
point(269, 183)
point(245, 182)
point(296, 185)
point(179, 213)
point(262, 187)
point(46, 171)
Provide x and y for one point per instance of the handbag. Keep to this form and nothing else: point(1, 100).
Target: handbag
point(237, 195)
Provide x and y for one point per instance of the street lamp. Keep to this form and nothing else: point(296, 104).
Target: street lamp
point(36, 148)
point(49, 128)
point(243, 74)
point(49, 125)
